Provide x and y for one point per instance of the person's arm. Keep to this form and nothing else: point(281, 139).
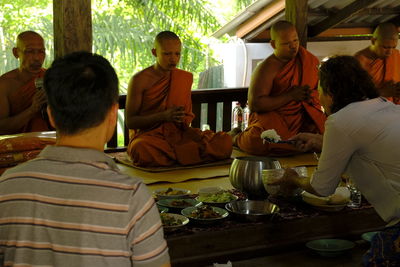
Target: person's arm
point(11, 124)
point(134, 98)
point(261, 85)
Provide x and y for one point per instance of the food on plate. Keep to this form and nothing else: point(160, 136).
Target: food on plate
point(170, 220)
point(205, 212)
point(337, 199)
point(181, 203)
point(340, 197)
point(270, 135)
point(171, 192)
point(220, 197)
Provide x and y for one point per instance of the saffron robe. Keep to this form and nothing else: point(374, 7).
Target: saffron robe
point(173, 143)
point(21, 99)
point(383, 69)
point(292, 118)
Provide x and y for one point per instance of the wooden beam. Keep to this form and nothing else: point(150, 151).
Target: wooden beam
point(72, 26)
point(265, 14)
point(296, 12)
point(342, 15)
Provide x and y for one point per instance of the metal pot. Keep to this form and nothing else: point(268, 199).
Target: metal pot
point(245, 174)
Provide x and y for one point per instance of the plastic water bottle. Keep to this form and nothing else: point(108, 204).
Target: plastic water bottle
point(246, 115)
point(355, 197)
point(237, 116)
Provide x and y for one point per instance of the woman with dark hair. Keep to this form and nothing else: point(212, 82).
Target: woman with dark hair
point(361, 139)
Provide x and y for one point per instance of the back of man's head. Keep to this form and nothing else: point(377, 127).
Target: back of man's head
point(81, 89)
point(280, 26)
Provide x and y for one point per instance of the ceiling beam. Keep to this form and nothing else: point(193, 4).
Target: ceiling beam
point(265, 14)
point(325, 12)
point(347, 12)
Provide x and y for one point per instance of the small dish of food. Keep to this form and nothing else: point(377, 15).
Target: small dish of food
point(172, 220)
point(335, 202)
point(171, 192)
point(178, 203)
point(205, 214)
point(162, 209)
point(218, 199)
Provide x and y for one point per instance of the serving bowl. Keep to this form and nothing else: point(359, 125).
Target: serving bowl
point(245, 174)
point(252, 210)
point(171, 192)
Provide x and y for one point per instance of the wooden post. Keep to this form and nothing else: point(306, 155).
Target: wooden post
point(296, 12)
point(72, 26)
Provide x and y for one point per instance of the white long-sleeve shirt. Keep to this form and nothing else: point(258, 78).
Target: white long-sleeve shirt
point(363, 141)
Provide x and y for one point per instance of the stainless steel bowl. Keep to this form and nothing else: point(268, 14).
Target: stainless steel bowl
point(245, 174)
point(252, 210)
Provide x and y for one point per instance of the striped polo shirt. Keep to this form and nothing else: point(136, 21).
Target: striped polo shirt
point(73, 207)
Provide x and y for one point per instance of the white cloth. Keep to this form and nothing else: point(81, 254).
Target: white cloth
point(363, 141)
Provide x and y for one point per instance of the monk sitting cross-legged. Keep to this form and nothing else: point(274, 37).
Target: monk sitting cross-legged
point(382, 61)
point(21, 102)
point(159, 112)
point(282, 95)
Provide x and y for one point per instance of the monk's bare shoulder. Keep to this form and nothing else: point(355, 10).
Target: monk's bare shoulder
point(9, 81)
point(144, 79)
point(271, 66)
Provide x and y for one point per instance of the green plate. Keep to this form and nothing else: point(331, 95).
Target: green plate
point(330, 247)
point(368, 236)
point(162, 209)
point(178, 203)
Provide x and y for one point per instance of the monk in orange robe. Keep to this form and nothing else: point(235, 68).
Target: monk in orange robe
point(159, 112)
point(282, 95)
point(21, 103)
point(382, 61)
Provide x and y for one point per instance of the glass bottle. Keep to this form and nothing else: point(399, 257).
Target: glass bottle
point(237, 116)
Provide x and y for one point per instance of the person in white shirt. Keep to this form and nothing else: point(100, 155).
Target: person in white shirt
point(361, 139)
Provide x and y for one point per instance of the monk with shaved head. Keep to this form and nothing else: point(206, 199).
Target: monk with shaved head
point(21, 101)
point(159, 112)
point(382, 61)
point(282, 95)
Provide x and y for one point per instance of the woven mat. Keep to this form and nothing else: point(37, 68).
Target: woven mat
point(122, 157)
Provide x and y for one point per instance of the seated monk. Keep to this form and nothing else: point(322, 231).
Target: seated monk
point(382, 61)
point(159, 112)
point(282, 95)
point(21, 102)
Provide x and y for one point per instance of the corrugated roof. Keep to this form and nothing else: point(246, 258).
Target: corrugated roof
point(326, 18)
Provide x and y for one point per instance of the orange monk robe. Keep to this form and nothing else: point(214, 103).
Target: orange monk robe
point(382, 69)
point(292, 118)
point(21, 99)
point(175, 143)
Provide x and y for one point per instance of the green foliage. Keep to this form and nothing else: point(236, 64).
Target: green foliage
point(124, 30)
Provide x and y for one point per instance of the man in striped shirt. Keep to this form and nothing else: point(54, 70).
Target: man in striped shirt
point(71, 206)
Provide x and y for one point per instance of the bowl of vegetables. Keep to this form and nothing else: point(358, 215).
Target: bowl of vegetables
point(218, 199)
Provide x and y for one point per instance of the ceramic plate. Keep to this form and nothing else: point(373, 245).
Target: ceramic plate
point(172, 220)
point(162, 209)
point(171, 192)
point(212, 200)
point(178, 203)
point(368, 236)
point(330, 247)
point(190, 212)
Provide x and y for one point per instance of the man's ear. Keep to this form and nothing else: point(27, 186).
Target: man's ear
point(373, 40)
point(272, 44)
point(15, 52)
point(51, 118)
point(154, 52)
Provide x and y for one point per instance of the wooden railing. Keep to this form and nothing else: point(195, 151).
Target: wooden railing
point(200, 96)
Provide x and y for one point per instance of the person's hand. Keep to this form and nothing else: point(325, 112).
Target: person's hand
point(308, 142)
point(38, 100)
point(287, 184)
point(175, 114)
point(300, 93)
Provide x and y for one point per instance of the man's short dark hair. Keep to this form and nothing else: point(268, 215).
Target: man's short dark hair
point(81, 88)
point(343, 78)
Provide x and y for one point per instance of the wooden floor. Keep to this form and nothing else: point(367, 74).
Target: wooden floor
point(303, 257)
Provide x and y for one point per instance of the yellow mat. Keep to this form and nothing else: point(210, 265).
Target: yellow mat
point(208, 172)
